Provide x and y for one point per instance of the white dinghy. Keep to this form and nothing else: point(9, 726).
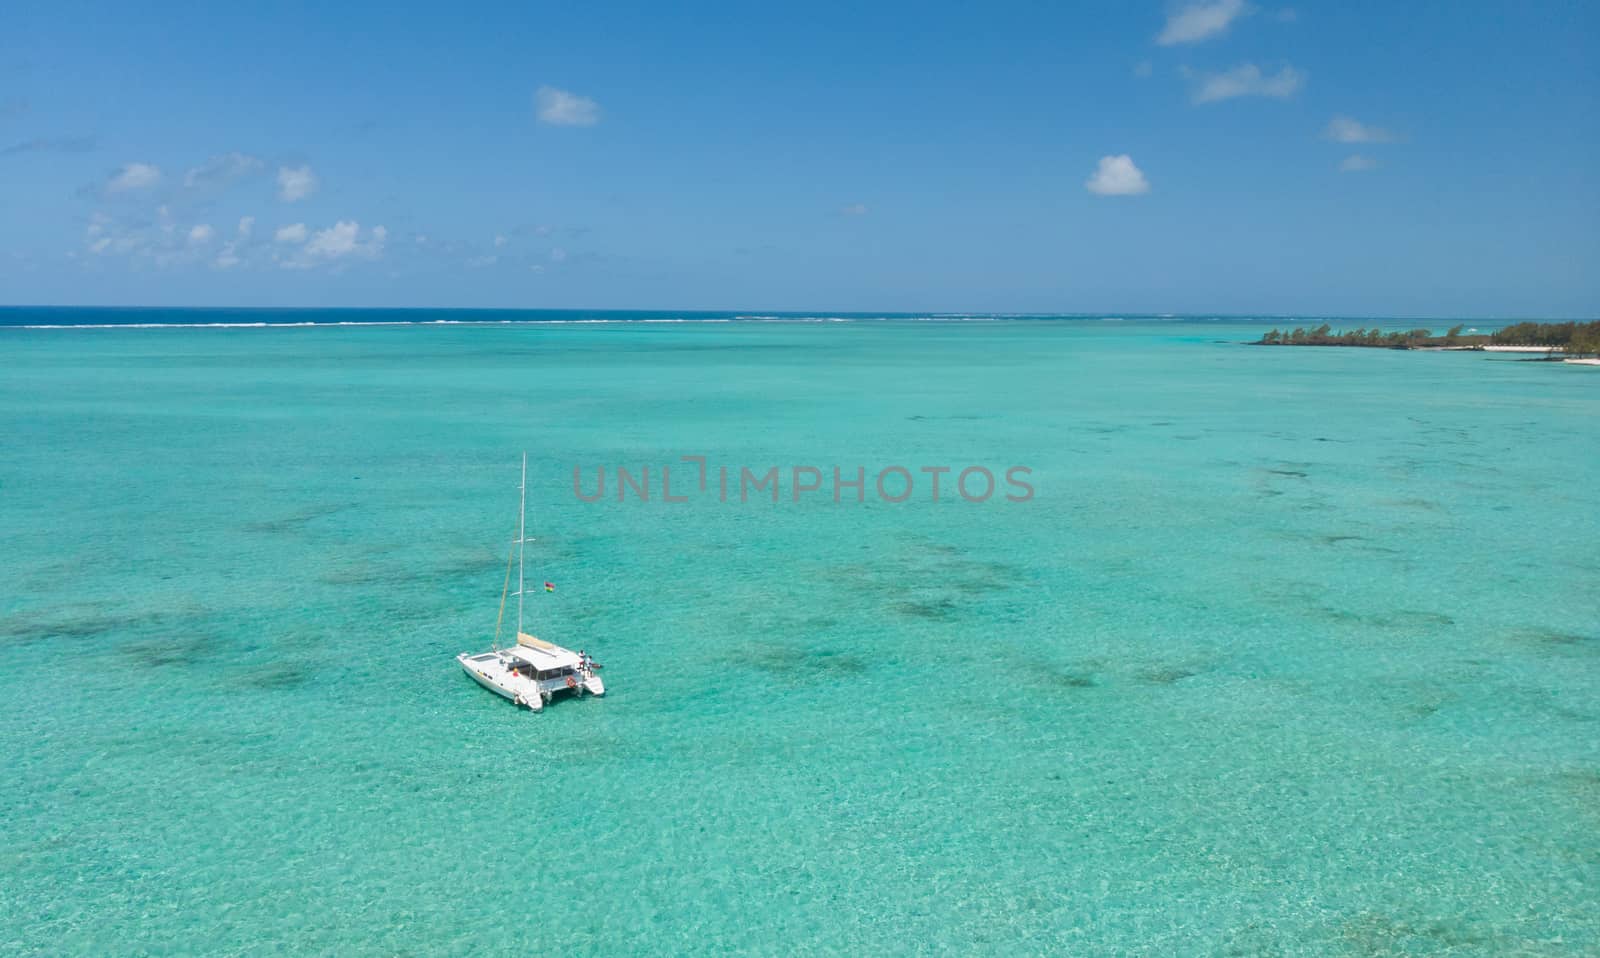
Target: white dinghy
point(532, 671)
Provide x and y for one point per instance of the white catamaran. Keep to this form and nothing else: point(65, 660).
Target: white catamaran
point(533, 670)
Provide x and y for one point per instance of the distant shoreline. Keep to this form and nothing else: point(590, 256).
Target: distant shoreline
point(1569, 341)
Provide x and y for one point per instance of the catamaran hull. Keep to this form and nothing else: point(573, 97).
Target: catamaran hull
point(506, 693)
point(533, 694)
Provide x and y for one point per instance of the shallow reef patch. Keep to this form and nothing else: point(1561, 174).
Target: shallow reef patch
point(1055, 676)
point(1373, 933)
point(1554, 638)
point(156, 653)
point(279, 675)
point(1170, 675)
point(939, 610)
point(930, 581)
point(795, 663)
point(81, 622)
point(296, 520)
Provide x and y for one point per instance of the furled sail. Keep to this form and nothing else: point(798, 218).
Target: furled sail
point(524, 638)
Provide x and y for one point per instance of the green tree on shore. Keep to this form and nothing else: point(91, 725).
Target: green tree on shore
point(1585, 341)
point(1543, 334)
point(1575, 338)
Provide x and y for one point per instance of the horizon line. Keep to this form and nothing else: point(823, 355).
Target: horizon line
point(787, 312)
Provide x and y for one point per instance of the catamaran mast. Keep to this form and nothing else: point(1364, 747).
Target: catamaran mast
point(522, 518)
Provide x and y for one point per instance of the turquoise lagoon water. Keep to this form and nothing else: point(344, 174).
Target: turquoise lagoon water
point(1294, 651)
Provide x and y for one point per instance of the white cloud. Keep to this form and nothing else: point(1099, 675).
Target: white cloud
point(296, 183)
point(228, 256)
point(1117, 176)
point(134, 176)
point(221, 170)
point(558, 255)
point(105, 235)
point(339, 242)
point(561, 108)
point(1248, 80)
point(1356, 163)
point(1286, 15)
point(293, 233)
point(855, 209)
point(1200, 21)
point(1343, 129)
point(56, 144)
point(478, 262)
point(1143, 68)
point(335, 241)
point(500, 240)
point(160, 243)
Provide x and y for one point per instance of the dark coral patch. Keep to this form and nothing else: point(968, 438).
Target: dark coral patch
point(295, 521)
point(797, 664)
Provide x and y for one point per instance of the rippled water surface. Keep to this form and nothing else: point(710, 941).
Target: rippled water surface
point(1293, 651)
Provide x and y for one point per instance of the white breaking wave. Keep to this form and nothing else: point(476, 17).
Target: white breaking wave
point(739, 318)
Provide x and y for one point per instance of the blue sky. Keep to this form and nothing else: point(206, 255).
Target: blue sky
point(1363, 158)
